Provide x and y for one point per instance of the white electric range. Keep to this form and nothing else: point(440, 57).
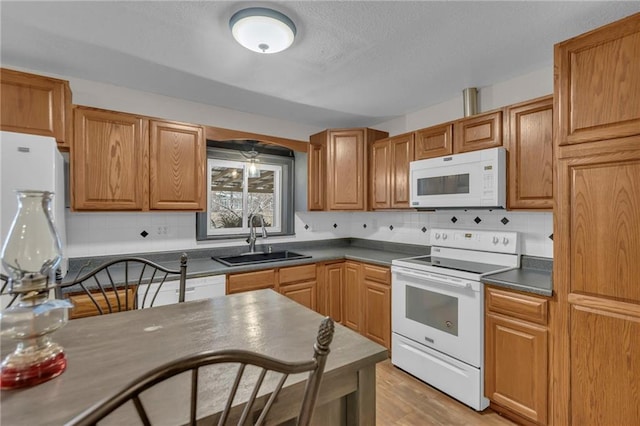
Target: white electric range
point(438, 305)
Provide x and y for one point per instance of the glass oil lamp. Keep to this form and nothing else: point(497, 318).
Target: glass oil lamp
point(30, 256)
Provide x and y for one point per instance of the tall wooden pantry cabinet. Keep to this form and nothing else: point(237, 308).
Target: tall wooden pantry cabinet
point(595, 351)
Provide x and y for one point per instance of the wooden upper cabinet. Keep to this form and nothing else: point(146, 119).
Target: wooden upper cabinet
point(389, 172)
point(125, 162)
point(176, 166)
point(380, 175)
point(596, 86)
point(480, 131)
point(433, 141)
point(346, 168)
point(108, 161)
point(317, 172)
point(402, 152)
point(530, 141)
point(37, 105)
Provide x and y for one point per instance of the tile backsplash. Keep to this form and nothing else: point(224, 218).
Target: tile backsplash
point(95, 234)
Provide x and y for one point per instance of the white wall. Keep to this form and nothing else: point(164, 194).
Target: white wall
point(522, 88)
point(91, 234)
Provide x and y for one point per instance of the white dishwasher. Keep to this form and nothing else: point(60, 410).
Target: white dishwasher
point(196, 289)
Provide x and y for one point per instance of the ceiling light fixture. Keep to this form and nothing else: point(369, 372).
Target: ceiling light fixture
point(262, 30)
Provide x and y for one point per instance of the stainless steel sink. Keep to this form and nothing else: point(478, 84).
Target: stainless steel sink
point(253, 258)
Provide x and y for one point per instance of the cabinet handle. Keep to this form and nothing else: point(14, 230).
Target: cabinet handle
point(187, 290)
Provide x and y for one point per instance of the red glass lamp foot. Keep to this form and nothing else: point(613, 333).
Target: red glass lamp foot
point(18, 375)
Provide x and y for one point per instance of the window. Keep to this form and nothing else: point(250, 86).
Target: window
point(235, 193)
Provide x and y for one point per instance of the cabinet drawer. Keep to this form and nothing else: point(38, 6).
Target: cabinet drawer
point(298, 273)
point(377, 273)
point(525, 307)
point(237, 283)
point(83, 306)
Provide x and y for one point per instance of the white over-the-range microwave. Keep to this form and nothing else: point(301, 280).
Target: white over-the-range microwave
point(474, 179)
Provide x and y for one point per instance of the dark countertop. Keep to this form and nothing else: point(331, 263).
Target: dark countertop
point(200, 264)
point(535, 276)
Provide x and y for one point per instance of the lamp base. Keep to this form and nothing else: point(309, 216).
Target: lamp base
point(32, 365)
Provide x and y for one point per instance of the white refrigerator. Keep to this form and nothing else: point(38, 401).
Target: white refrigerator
point(31, 162)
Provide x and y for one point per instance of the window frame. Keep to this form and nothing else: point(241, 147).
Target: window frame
point(285, 208)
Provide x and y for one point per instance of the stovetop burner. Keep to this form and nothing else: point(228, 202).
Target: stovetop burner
point(467, 254)
point(457, 265)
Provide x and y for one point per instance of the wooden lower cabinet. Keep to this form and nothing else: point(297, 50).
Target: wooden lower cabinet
point(299, 283)
point(516, 355)
point(330, 291)
point(376, 304)
point(83, 306)
point(352, 295)
point(248, 281)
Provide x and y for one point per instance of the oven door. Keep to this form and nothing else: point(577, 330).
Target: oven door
point(438, 311)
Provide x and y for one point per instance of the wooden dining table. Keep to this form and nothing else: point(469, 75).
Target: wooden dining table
point(107, 352)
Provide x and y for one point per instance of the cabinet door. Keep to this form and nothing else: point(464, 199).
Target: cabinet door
point(597, 84)
point(478, 132)
point(377, 312)
point(346, 170)
point(531, 155)
point(237, 283)
point(516, 366)
point(380, 175)
point(176, 167)
point(352, 296)
point(401, 148)
point(36, 105)
point(434, 142)
point(334, 283)
point(599, 209)
point(303, 292)
point(108, 161)
point(316, 171)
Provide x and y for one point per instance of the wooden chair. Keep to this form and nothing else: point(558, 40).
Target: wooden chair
point(125, 283)
point(191, 364)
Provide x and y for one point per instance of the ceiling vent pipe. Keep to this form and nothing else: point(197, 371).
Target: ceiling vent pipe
point(470, 101)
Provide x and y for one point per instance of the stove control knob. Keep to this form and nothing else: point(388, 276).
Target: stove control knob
point(505, 241)
point(495, 240)
point(444, 236)
point(437, 235)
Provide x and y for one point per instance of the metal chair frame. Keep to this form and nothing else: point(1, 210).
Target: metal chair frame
point(103, 282)
point(192, 363)
point(5, 288)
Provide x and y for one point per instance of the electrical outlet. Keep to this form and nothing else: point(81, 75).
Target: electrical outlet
point(162, 230)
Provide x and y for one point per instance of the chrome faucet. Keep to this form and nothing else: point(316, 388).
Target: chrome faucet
point(252, 231)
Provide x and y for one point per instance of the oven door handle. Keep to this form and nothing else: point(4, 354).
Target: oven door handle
point(434, 278)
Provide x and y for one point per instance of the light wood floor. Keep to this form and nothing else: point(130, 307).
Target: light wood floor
point(401, 399)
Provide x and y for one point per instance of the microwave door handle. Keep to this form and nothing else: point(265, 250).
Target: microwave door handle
point(441, 280)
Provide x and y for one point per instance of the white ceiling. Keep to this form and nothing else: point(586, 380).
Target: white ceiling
point(352, 63)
